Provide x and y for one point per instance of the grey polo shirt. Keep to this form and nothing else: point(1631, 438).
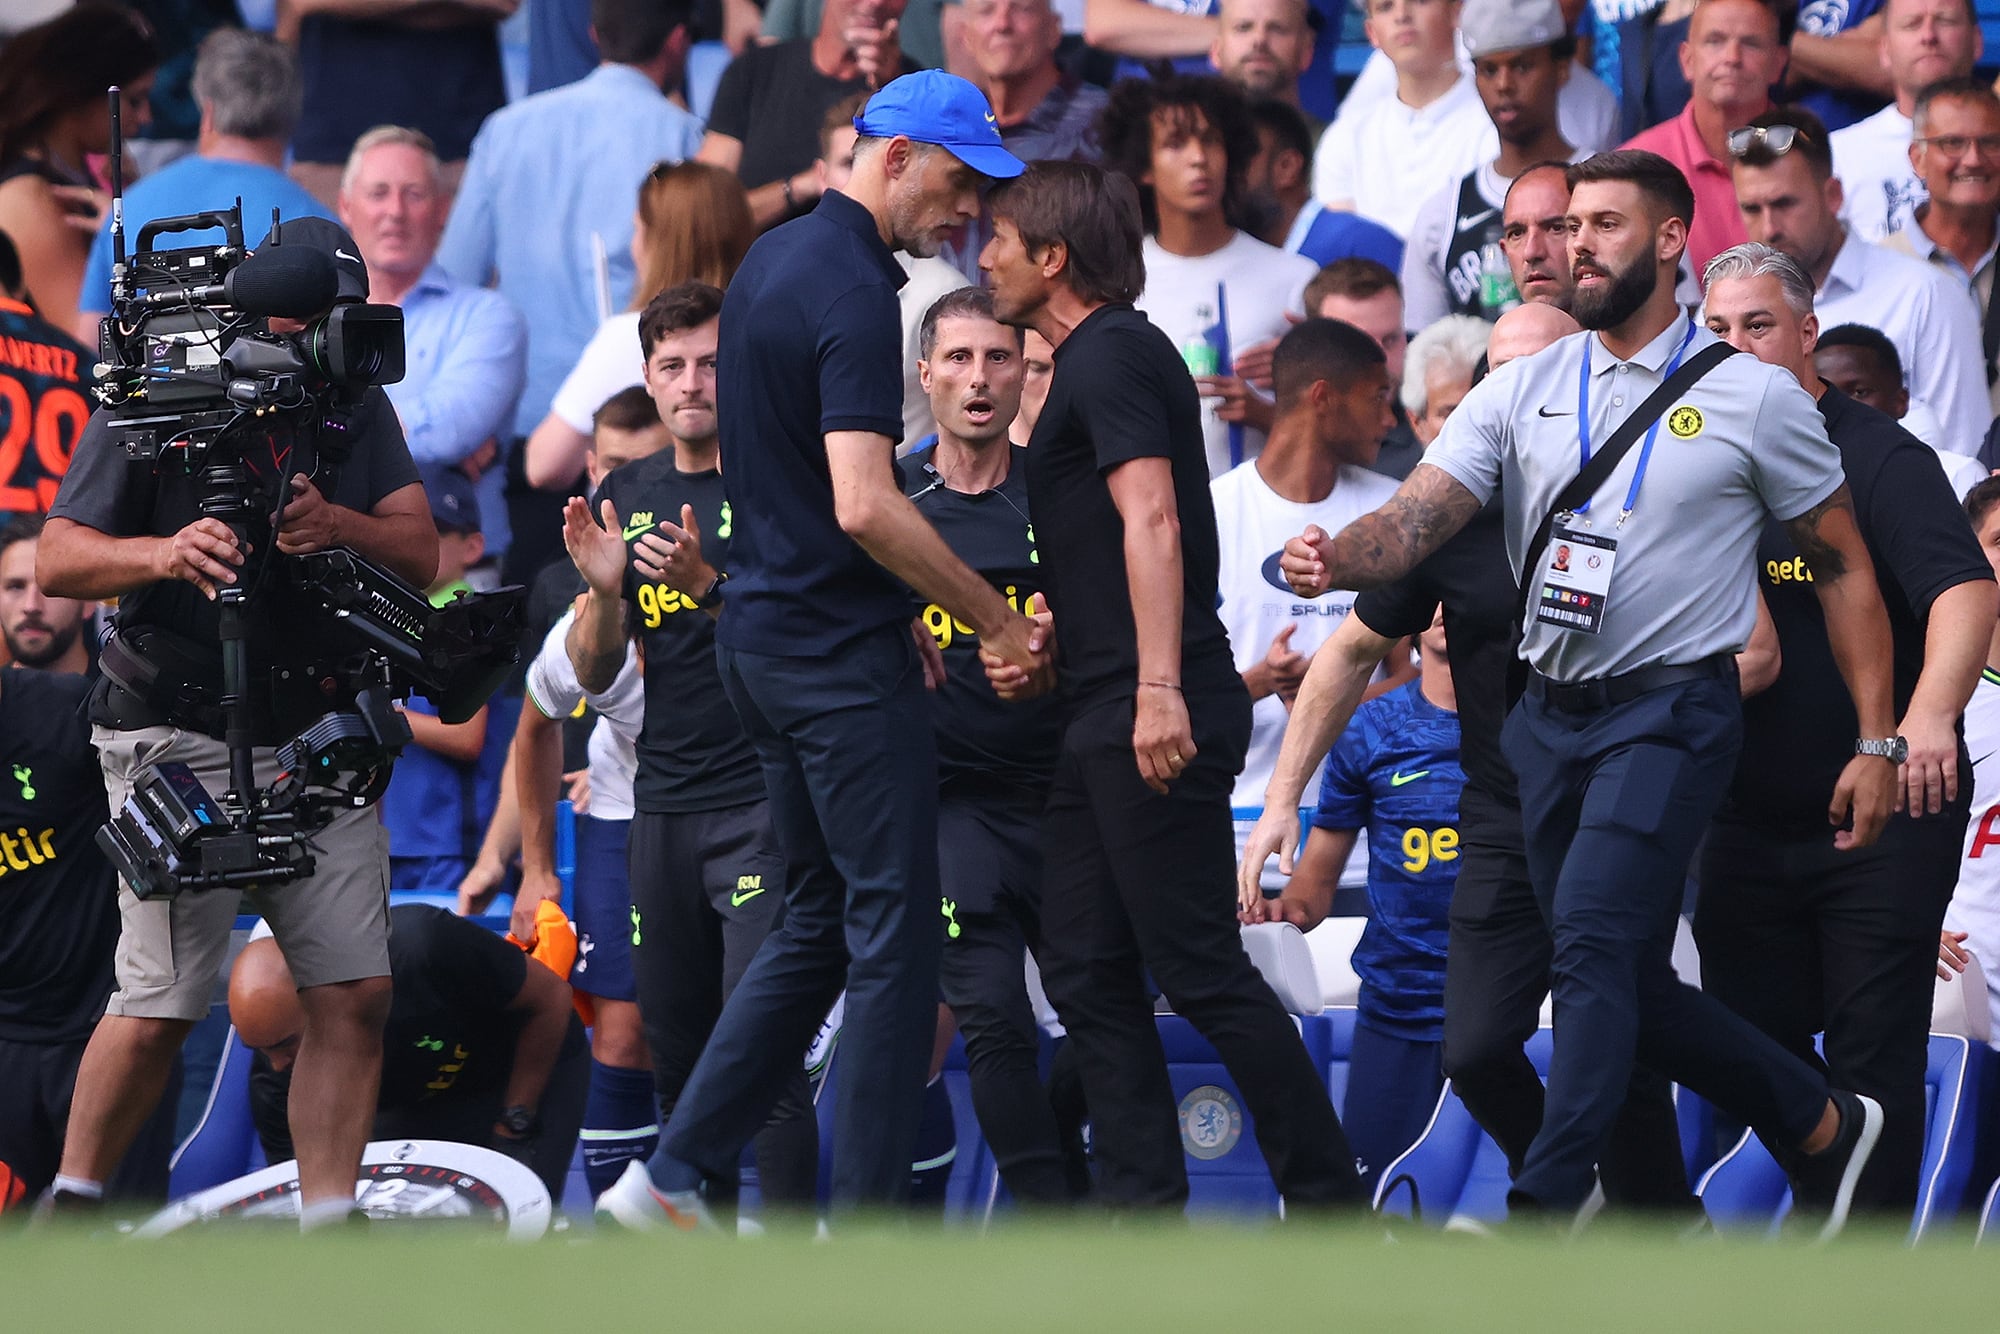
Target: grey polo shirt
point(1683, 587)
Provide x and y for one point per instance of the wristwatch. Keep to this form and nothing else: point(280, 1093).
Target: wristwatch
point(713, 597)
point(1893, 748)
point(519, 1122)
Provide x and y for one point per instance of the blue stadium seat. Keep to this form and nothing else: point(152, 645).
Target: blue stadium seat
point(1746, 1190)
point(1454, 1175)
point(1989, 1217)
point(974, 1192)
point(1226, 1171)
point(1335, 1033)
point(223, 1144)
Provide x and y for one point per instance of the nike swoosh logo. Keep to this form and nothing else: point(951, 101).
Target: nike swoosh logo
point(1399, 779)
point(1983, 758)
point(1466, 220)
point(738, 900)
point(1546, 413)
point(632, 530)
point(342, 254)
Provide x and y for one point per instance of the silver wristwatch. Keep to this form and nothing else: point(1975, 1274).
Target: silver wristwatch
point(1893, 749)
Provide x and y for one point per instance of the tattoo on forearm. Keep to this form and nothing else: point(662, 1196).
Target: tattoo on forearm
point(1822, 557)
point(1385, 545)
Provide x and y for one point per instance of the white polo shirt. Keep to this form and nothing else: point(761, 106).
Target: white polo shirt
point(1387, 158)
point(1683, 584)
point(553, 689)
point(1930, 317)
point(1872, 159)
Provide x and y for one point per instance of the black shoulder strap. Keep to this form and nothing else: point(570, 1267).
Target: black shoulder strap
point(1584, 485)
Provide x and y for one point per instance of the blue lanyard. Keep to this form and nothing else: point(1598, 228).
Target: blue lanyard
point(1652, 432)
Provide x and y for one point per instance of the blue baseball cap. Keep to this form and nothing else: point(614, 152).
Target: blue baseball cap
point(454, 499)
point(933, 107)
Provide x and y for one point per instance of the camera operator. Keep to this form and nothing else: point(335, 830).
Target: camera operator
point(132, 530)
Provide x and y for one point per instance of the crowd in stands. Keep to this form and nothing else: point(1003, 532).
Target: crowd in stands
point(529, 238)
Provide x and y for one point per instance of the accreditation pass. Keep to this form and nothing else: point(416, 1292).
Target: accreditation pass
point(1576, 583)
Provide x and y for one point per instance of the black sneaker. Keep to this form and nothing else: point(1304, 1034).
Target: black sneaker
point(1823, 1183)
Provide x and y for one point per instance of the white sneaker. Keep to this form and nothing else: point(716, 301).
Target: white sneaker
point(634, 1203)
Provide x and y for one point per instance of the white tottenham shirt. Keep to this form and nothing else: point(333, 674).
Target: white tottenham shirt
point(1975, 904)
point(552, 688)
point(1252, 524)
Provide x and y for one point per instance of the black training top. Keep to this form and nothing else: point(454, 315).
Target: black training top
point(120, 497)
point(978, 733)
point(59, 894)
point(449, 1034)
point(1471, 576)
point(1121, 392)
point(812, 339)
point(1799, 734)
point(693, 755)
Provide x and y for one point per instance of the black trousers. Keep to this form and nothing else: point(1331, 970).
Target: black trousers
point(469, 1118)
point(37, 1081)
point(1497, 966)
point(1799, 939)
point(1135, 881)
point(990, 865)
point(1614, 800)
point(850, 765)
point(707, 887)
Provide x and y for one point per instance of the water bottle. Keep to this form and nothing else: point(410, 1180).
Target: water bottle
point(1201, 355)
point(1497, 293)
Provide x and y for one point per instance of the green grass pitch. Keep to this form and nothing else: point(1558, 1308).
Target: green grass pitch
point(1203, 1279)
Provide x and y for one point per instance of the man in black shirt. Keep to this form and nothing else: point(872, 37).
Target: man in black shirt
point(1499, 952)
point(995, 759)
point(705, 871)
point(119, 528)
point(765, 123)
point(62, 928)
point(1137, 835)
point(481, 1045)
point(1795, 935)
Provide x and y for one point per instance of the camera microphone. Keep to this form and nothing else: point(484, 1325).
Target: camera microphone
point(291, 282)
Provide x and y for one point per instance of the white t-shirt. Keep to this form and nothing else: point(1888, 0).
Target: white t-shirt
point(1254, 283)
point(614, 757)
point(1252, 524)
point(1386, 159)
point(1872, 159)
point(1975, 904)
point(611, 361)
point(1586, 109)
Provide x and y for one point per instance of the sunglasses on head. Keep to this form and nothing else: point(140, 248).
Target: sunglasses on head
point(1774, 139)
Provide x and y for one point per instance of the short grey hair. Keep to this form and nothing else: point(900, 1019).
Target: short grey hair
point(381, 137)
point(249, 84)
point(1457, 341)
point(1754, 259)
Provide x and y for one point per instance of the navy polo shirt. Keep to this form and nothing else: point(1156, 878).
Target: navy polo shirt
point(811, 342)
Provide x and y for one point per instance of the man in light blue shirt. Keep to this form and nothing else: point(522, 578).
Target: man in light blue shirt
point(553, 181)
point(247, 86)
point(465, 347)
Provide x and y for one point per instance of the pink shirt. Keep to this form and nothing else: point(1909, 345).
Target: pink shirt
point(1717, 224)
